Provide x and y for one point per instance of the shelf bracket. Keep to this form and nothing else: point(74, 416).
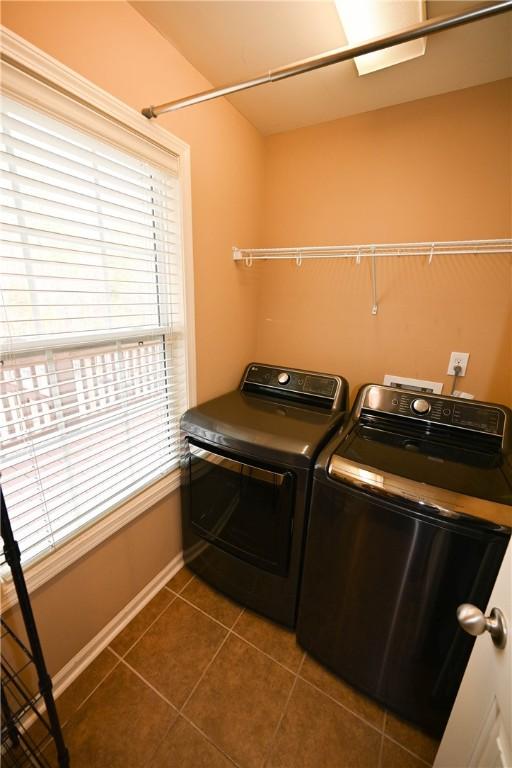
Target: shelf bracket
point(373, 266)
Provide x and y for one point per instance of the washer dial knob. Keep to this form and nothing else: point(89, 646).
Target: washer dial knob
point(283, 378)
point(420, 405)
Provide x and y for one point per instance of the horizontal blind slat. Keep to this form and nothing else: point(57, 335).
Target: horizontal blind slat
point(135, 486)
point(48, 448)
point(87, 489)
point(54, 125)
point(116, 248)
point(74, 455)
point(8, 248)
point(65, 181)
point(46, 407)
point(79, 171)
point(38, 134)
point(29, 170)
point(90, 473)
point(74, 264)
point(82, 200)
point(85, 291)
point(27, 204)
point(96, 392)
point(94, 379)
point(24, 363)
point(122, 407)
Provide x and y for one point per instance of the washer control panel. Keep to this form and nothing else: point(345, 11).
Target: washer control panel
point(449, 411)
point(314, 387)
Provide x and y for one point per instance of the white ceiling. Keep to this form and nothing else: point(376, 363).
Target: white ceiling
point(231, 40)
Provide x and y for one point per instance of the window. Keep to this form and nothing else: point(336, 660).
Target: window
point(93, 349)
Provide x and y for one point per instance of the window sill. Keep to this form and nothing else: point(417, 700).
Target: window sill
point(48, 567)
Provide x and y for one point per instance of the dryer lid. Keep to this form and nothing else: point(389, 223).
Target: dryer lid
point(275, 432)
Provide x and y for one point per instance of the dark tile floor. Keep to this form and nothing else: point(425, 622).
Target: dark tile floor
point(195, 681)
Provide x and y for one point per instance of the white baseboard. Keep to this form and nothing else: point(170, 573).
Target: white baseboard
point(94, 647)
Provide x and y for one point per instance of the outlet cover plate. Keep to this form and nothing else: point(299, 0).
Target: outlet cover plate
point(460, 358)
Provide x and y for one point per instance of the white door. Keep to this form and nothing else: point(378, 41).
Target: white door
point(479, 731)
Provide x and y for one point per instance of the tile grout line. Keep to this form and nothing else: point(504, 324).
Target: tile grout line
point(174, 709)
point(175, 591)
point(280, 663)
point(109, 646)
point(160, 695)
point(205, 670)
point(181, 712)
point(149, 761)
point(201, 610)
point(231, 629)
point(406, 749)
point(272, 742)
point(343, 706)
point(95, 687)
point(237, 620)
point(283, 713)
point(382, 730)
point(208, 739)
point(381, 747)
point(63, 722)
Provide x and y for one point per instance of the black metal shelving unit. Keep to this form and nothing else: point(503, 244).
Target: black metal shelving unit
point(31, 733)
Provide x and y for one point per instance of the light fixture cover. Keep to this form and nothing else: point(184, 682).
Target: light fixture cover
point(365, 19)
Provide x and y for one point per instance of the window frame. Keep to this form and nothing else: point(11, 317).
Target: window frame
point(33, 77)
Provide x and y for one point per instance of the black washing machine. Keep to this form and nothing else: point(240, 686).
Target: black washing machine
point(247, 469)
point(410, 517)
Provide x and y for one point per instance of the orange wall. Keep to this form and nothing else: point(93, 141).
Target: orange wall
point(432, 169)
point(114, 47)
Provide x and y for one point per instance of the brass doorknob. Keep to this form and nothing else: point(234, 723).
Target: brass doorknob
point(472, 620)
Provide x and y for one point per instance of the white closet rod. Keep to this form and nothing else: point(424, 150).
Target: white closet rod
point(357, 252)
point(432, 248)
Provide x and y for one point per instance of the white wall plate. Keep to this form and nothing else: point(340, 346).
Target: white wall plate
point(417, 385)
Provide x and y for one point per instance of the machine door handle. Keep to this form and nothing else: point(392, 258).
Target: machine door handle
point(473, 621)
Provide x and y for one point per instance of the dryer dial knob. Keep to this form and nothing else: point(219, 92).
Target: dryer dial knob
point(420, 405)
point(283, 378)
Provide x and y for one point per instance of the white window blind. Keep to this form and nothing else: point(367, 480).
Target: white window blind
point(93, 374)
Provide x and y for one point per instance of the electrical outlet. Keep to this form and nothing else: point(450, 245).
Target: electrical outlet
point(458, 358)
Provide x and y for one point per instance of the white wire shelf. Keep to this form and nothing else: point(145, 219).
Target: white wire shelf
point(429, 249)
point(376, 250)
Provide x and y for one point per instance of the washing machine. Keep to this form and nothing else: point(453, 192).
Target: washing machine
point(247, 470)
point(410, 517)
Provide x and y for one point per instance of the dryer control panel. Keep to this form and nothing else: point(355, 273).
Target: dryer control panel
point(320, 389)
point(448, 411)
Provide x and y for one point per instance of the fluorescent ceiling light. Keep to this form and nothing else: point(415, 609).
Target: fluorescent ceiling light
point(365, 19)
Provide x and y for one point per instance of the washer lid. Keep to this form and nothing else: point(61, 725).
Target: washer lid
point(483, 473)
point(262, 428)
point(450, 479)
